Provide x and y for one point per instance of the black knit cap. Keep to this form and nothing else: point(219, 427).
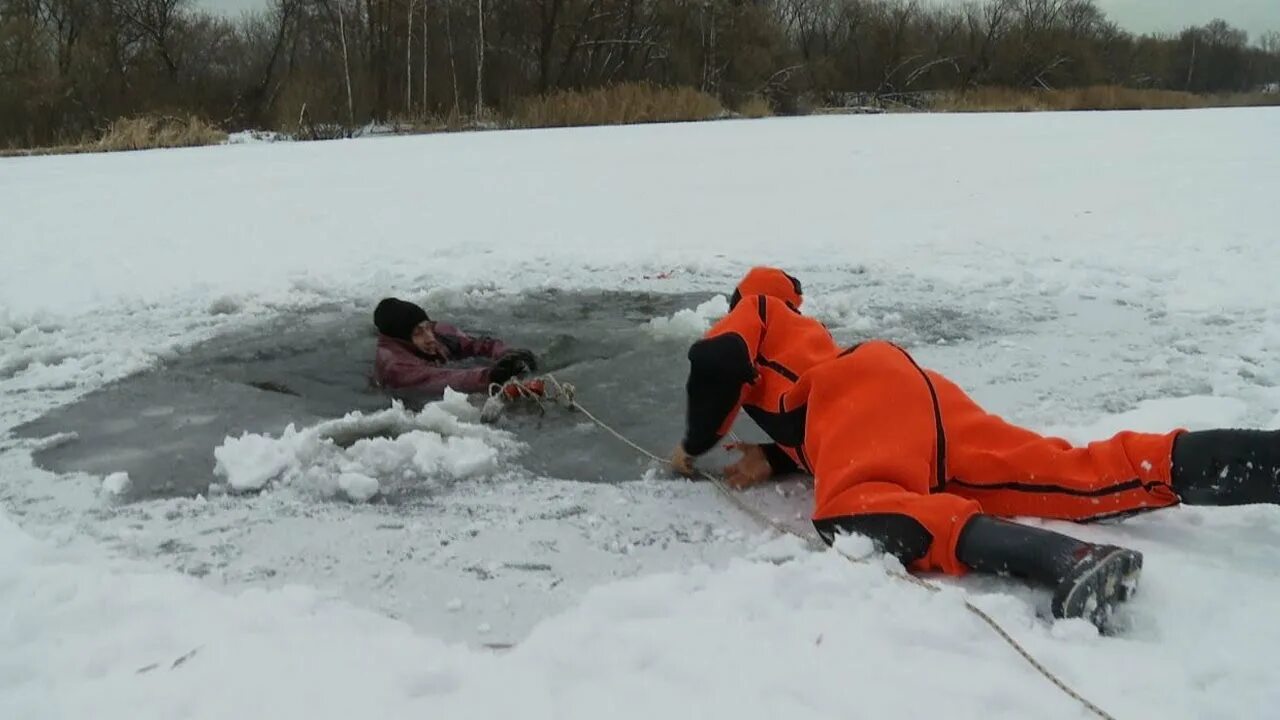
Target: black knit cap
point(397, 318)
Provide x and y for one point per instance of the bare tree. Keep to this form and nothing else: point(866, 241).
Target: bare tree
point(340, 11)
point(548, 24)
point(425, 57)
point(67, 67)
point(479, 59)
point(158, 21)
point(708, 45)
point(1270, 42)
point(255, 100)
point(408, 60)
point(453, 64)
point(1191, 66)
point(987, 26)
point(66, 20)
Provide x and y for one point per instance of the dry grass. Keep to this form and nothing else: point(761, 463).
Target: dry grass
point(616, 105)
point(1099, 97)
point(453, 121)
point(755, 106)
point(1245, 100)
point(144, 133)
point(140, 133)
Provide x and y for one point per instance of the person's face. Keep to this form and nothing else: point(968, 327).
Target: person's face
point(424, 338)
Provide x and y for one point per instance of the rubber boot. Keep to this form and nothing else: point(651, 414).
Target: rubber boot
point(1088, 580)
point(1227, 467)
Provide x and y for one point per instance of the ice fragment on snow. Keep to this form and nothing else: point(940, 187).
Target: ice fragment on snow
point(225, 305)
point(855, 547)
point(441, 443)
point(250, 461)
point(357, 487)
point(689, 323)
point(116, 484)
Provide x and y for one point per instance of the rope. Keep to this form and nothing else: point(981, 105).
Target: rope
point(566, 393)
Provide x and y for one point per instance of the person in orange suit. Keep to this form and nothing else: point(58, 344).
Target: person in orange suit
point(901, 454)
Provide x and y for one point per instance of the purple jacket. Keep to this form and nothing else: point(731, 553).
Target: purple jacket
point(399, 366)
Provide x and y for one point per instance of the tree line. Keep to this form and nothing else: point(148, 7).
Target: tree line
point(68, 67)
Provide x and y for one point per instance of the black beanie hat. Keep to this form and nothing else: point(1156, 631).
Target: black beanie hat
point(397, 318)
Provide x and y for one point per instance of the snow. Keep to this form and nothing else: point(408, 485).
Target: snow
point(1080, 273)
point(955, 195)
point(1160, 415)
point(779, 549)
point(245, 137)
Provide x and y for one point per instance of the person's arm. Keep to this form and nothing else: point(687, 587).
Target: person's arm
point(417, 376)
point(720, 367)
point(469, 347)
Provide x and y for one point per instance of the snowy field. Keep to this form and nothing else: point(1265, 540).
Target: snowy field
point(1101, 271)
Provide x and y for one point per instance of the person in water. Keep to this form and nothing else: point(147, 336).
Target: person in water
point(415, 353)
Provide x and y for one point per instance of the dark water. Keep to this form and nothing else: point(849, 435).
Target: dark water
point(162, 426)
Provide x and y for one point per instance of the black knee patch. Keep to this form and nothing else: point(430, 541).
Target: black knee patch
point(899, 535)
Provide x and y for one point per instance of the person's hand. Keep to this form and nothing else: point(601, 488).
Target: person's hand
point(530, 360)
point(682, 462)
point(751, 469)
point(511, 364)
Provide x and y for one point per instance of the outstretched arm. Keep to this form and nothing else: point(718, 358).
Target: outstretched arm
point(720, 367)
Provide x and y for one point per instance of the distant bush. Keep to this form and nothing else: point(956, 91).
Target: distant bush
point(140, 133)
point(147, 132)
point(1097, 97)
point(616, 105)
point(755, 106)
point(324, 69)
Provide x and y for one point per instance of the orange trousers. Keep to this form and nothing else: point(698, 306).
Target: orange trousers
point(884, 436)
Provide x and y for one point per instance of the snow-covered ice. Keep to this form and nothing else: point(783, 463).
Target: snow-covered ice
point(1079, 273)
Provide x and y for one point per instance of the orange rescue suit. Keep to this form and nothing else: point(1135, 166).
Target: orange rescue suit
point(883, 436)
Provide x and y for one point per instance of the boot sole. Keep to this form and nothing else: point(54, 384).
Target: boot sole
point(1095, 592)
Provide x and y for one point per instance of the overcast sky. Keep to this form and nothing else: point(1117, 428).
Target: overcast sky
point(1255, 16)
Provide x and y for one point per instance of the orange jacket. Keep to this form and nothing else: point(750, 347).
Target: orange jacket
point(749, 360)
